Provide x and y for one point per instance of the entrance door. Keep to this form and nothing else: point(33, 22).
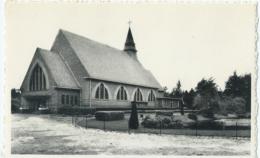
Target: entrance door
point(41, 103)
point(37, 102)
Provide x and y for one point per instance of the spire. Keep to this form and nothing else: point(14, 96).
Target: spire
point(130, 44)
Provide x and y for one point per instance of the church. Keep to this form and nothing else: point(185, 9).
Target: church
point(78, 71)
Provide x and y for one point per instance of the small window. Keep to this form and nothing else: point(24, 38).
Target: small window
point(101, 92)
point(71, 100)
point(67, 99)
point(63, 99)
point(75, 100)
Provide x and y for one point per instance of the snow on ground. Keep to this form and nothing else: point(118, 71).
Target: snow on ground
point(44, 134)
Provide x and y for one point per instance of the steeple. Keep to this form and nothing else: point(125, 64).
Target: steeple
point(130, 44)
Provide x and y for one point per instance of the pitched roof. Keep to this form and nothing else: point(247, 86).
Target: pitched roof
point(58, 69)
point(107, 63)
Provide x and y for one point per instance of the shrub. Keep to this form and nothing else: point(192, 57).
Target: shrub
point(164, 113)
point(75, 111)
point(109, 115)
point(133, 121)
point(238, 105)
point(147, 117)
point(192, 116)
point(229, 105)
point(150, 123)
point(175, 125)
point(166, 121)
point(207, 113)
point(209, 124)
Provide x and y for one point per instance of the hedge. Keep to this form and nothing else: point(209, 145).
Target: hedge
point(209, 124)
point(109, 115)
point(192, 116)
point(76, 111)
point(165, 123)
point(164, 113)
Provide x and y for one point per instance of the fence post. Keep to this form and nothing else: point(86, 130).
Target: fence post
point(105, 124)
point(86, 121)
point(160, 127)
point(75, 121)
point(236, 130)
point(196, 128)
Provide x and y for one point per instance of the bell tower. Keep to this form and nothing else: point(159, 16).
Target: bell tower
point(130, 44)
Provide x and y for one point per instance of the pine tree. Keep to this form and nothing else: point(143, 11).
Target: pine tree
point(133, 121)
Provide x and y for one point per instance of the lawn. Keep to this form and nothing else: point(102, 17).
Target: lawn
point(122, 125)
point(53, 134)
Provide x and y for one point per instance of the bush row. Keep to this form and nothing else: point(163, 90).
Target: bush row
point(164, 124)
point(164, 113)
point(109, 115)
point(76, 111)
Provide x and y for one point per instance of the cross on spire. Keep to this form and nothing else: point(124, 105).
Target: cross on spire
point(129, 23)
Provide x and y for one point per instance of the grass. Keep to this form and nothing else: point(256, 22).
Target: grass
point(122, 125)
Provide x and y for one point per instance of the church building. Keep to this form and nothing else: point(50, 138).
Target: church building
point(77, 71)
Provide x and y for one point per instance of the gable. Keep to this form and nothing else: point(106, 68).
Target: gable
point(107, 63)
point(54, 69)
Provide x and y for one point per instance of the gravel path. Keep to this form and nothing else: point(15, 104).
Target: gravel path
point(49, 134)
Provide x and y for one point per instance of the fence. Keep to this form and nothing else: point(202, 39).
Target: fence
point(89, 121)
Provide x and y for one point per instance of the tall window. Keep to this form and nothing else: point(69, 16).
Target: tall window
point(71, 100)
point(138, 95)
point(75, 100)
point(63, 99)
point(101, 92)
point(37, 80)
point(151, 96)
point(67, 99)
point(121, 94)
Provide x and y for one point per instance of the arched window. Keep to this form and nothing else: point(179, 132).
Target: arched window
point(101, 92)
point(37, 80)
point(151, 96)
point(121, 94)
point(138, 95)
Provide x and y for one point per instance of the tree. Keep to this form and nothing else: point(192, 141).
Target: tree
point(165, 93)
point(207, 87)
point(133, 121)
point(188, 98)
point(177, 92)
point(233, 85)
point(206, 91)
point(235, 105)
point(239, 86)
point(247, 91)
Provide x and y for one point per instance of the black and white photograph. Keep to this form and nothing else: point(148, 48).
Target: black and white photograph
point(130, 78)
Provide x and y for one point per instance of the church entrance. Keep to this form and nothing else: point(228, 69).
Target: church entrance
point(37, 102)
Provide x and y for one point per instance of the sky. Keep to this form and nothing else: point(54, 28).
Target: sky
point(185, 42)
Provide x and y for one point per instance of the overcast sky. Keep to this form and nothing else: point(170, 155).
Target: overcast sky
point(175, 42)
